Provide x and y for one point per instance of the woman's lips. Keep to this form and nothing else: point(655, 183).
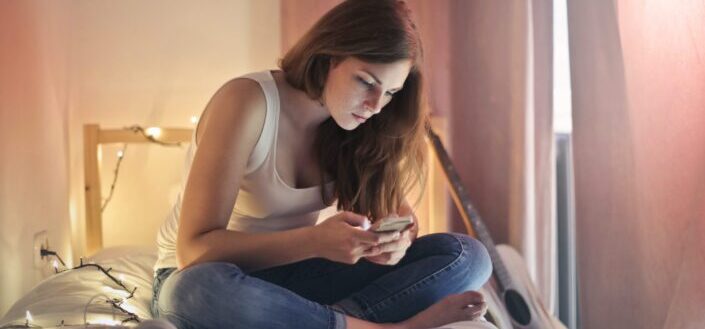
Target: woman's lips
point(359, 119)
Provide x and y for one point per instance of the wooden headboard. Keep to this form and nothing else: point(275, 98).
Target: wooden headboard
point(93, 138)
point(432, 210)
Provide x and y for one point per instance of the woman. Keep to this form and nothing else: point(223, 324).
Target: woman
point(342, 121)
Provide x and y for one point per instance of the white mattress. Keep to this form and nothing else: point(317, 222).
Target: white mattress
point(71, 295)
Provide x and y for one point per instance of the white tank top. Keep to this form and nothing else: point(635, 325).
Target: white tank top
point(265, 203)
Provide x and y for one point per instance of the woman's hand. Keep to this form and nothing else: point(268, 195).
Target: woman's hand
point(390, 253)
point(340, 239)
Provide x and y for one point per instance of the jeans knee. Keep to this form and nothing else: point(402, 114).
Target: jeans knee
point(221, 295)
point(206, 274)
point(193, 288)
point(474, 262)
point(477, 260)
point(446, 244)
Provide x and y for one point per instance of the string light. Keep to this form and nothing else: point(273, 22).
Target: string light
point(28, 319)
point(119, 304)
point(128, 307)
point(116, 171)
point(194, 119)
point(153, 132)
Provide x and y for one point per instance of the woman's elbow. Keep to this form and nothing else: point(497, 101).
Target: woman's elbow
point(184, 253)
point(195, 249)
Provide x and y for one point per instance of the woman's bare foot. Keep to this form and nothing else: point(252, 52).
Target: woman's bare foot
point(453, 308)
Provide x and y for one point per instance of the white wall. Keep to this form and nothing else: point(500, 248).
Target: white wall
point(155, 63)
point(115, 63)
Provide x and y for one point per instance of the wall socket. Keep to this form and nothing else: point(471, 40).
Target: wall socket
point(41, 240)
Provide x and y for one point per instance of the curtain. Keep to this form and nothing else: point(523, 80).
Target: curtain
point(638, 77)
point(502, 124)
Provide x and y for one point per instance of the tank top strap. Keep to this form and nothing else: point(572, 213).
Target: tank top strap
point(266, 138)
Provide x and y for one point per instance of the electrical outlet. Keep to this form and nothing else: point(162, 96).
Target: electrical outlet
point(41, 240)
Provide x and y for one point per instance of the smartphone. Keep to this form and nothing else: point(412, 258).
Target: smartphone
point(392, 224)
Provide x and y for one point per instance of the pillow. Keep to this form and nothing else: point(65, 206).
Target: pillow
point(71, 295)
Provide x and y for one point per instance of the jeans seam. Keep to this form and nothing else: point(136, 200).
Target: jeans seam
point(368, 308)
point(157, 284)
point(358, 313)
point(181, 318)
point(331, 319)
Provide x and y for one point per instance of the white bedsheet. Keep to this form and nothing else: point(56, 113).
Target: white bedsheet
point(68, 296)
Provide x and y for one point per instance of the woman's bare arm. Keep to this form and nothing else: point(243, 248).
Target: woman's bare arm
point(233, 121)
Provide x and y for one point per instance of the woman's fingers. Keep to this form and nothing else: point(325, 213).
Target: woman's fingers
point(373, 238)
point(402, 243)
point(398, 245)
point(376, 255)
point(394, 246)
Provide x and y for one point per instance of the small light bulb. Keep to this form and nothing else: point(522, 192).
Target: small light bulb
point(120, 154)
point(194, 119)
point(153, 132)
point(128, 307)
point(55, 264)
point(28, 317)
point(121, 277)
point(106, 321)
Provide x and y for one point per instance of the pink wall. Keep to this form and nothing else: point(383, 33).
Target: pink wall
point(34, 173)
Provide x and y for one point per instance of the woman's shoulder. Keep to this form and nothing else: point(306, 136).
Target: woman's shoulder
point(241, 90)
point(237, 107)
point(239, 96)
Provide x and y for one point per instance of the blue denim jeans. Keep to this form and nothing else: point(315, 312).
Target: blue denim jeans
point(317, 293)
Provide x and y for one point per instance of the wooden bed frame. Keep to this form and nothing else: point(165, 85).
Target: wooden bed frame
point(431, 211)
point(93, 138)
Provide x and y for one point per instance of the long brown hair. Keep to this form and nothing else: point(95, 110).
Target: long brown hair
point(377, 164)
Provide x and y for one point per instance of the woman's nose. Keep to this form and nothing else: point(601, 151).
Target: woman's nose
point(374, 103)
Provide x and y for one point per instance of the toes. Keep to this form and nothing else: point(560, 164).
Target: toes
point(475, 311)
point(472, 297)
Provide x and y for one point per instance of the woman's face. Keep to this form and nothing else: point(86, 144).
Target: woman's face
point(355, 90)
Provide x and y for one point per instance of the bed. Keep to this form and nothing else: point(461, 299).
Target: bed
point(113, 288)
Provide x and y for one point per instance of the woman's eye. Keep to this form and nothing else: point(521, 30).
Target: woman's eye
point(371, 85)
point(364, 82)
